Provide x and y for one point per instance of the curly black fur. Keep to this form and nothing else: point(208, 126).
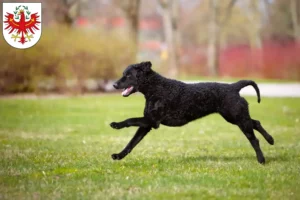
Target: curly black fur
point(174, 103)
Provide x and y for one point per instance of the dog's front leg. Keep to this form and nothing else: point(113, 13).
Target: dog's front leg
point(141, 132)
point(140, 121)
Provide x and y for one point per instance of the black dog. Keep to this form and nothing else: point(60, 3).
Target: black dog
point(174, 103)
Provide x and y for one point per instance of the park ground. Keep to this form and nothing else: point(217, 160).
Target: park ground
point(59, 148)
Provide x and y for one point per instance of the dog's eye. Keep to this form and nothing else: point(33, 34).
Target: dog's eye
point(128, 75)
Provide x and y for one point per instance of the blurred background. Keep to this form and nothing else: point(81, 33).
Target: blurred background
point(86, 44)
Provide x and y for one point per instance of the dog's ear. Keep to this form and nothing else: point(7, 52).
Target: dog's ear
point(146, 66)
point(147, 63)
point(143, 66)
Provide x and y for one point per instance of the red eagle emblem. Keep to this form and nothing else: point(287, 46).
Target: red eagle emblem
point(23, 26)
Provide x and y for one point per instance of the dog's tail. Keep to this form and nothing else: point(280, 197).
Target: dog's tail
point(243, 83)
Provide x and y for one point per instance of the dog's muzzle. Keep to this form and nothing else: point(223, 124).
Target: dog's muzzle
point(116, 86)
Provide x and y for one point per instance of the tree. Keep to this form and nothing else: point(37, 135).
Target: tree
point(284, 19)
point(64, 12)
point(294, 6)
point(254, 16)
point(170, 23)
point(131, 11)
point(216, 26)
point(252, 10)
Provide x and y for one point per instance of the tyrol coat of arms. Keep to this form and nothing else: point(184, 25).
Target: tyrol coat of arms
point(22, 26)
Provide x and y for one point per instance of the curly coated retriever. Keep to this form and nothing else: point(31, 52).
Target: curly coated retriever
point(174, 103)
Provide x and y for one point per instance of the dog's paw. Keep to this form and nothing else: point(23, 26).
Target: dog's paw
point(261, 160)
point(115, 125)
point(116, 156)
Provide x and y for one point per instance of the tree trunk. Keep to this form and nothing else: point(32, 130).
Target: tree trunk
point(294, 13)
point(177, 35)
point(255, 17)
point(132, 14)
point(213, 53)
point(215, 30)
point(267, 9)
point(131, 11)
point(258, 41)
point(170, 29)
point(65, 11)
point(214, 40)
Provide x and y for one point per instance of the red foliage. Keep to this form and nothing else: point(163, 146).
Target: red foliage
point(274, 60)
point(152, 24)
point(81, 21)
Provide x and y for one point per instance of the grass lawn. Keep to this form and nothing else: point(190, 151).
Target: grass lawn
point(60, 149)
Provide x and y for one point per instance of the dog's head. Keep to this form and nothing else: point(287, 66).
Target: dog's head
point(129, 82)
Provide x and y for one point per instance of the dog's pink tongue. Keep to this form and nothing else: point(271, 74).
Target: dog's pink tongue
point(127, 91)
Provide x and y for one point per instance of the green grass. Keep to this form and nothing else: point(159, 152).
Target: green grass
point(60, 149)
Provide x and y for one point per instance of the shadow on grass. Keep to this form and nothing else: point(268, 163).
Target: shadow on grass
point(196, 160)
point(160, 162)
point(138, 163)
point(237, 158)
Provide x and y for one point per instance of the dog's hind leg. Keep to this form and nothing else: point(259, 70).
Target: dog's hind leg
point(238, 113)
point(139, 135)
point(257, 126)
point(247, 128)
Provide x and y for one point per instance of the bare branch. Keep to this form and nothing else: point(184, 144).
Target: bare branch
point(296, 27)
point(164, 3)
point(170, 16)
point(228, 13)
point(129, 7)
point(65, 12)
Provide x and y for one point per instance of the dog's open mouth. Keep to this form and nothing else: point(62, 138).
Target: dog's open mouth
point(127, 91)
